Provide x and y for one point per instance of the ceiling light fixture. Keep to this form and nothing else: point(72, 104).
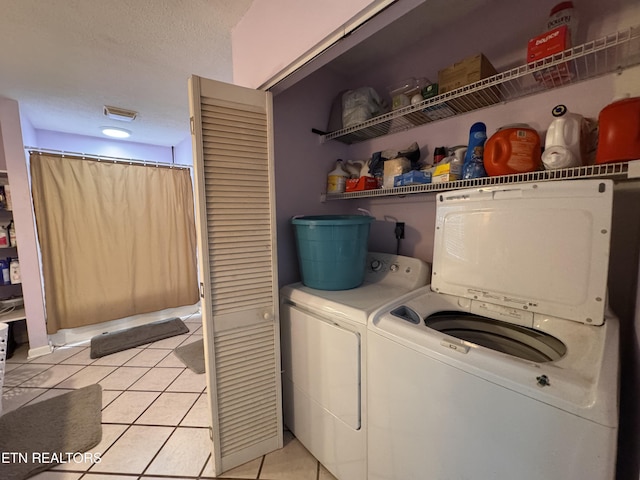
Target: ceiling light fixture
point(121, 114)
point(115, 132)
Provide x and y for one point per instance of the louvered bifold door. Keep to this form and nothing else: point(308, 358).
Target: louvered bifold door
point(233, 169)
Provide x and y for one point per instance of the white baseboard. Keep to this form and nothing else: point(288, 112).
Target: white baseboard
point(40, 351)
point(71, 336)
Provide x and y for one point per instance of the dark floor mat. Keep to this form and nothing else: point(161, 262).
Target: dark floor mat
point(192, 355)
point(109, 343)
point(43, 434)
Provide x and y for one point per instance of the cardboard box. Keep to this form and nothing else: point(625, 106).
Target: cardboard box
point(362, 183)
point(549, 43)
point(444, 173)
point(470, 70)
point(414, 177)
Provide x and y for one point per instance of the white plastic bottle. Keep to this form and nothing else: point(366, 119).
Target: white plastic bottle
point(563, 143)
point(14, 271)
point(337, 179)
point(457, 162)
point(564, 13)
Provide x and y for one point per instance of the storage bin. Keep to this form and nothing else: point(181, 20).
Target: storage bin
point(332, 250)
point(4, 334)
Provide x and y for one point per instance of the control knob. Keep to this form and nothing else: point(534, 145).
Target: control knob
point(376, 265)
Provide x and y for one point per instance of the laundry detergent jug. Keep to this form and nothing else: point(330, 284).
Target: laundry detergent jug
point(619, 131)
point(564, 142)
point(512, 149)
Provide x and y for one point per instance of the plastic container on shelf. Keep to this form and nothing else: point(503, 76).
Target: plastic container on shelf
point(564, 13)
point(512, 149)
point(564, 143)
point(14, 272)
point(4, 237)
point(473, 166)
point(337, 179)
point(619, 131)
point(5, 278)
point(332, 250)
point(402, 92)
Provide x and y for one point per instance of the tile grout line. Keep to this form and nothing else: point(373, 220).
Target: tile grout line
point(86, 472)
point(260, 467)
point(158, 453)
point(175, 427)
point(129, 425)
point(206, 462)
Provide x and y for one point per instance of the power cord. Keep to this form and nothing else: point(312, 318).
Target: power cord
point(6, 310)
point(9, 305)
point(399, 231)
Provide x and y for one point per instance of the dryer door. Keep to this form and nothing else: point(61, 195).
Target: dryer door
point(322, 359)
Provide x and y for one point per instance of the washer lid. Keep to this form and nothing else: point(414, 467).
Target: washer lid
point(541, 247)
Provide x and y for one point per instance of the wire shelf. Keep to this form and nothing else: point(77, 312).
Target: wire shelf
point(609, 54)
point(620, 171)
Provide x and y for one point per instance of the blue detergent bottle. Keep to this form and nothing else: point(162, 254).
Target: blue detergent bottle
point(4, 273)
point(474, 158)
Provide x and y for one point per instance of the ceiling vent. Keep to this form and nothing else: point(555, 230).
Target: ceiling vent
point(115, 113)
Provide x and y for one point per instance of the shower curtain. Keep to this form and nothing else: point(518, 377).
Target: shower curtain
point(116, 239)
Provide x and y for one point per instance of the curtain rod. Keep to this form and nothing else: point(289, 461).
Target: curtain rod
point(99, 158)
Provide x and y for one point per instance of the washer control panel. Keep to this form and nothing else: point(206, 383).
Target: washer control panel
point(397, 270)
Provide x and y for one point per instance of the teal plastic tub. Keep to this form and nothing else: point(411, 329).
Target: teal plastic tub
point(332, 250)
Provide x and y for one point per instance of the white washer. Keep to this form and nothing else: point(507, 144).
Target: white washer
point(324, 360)
point(507, 365)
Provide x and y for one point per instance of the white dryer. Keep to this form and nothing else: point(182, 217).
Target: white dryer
point(507, 365)
point(324, 351)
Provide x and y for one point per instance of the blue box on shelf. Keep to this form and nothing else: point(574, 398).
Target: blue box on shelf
point(414, 177)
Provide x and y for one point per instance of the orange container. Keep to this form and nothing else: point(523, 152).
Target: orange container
point(619, 131)
point(512, 149)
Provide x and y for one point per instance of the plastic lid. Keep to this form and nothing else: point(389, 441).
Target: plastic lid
point(622, 96)
point(561, 6)
point(540, 247)
point(323, 220)
point(514, 125)
point(559, 110)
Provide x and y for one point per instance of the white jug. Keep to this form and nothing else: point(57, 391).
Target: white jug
point(564, 140)
point(337, 179)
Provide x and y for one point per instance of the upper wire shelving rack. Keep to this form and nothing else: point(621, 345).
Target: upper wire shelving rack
point(608, 54)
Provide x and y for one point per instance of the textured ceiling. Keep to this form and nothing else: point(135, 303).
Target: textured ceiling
point(62, 60)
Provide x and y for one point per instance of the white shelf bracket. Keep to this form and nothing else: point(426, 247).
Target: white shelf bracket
point(633, 170)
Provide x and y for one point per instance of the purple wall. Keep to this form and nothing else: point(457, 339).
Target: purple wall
point(302, 163)
point(68, 142)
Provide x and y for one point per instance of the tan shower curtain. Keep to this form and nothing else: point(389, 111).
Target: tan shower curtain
point(116, 239)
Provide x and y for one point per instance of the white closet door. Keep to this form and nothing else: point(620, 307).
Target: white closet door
point(235, 214)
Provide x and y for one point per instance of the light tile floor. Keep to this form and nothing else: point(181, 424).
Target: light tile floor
point(154, 414)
